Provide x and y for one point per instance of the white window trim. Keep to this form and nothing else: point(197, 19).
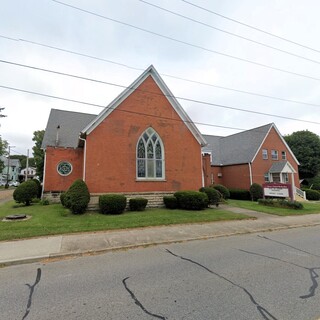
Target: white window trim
point(265, 154)
point(274, 154)
point(163, 178)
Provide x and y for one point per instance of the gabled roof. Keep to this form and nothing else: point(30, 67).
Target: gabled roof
point(63, 128)
point(240, 147)
point(13, 162)
point(281, 166)
point(151, 71)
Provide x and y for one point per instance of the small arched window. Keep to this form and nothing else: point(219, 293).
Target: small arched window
point(150, 156)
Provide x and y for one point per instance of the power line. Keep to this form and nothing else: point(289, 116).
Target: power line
point(230, 33)
point(251, 27)
point(163, 74)
point(184, 42)
point(169, 96)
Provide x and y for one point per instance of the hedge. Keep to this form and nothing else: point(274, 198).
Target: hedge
point(223, 190)
point(192, 200)
point(214, 195)
point(312, 194)
point(281, 203)
point(138, 204)
point(239, 194)
point(170, 202)
point(112, 203)
point(256, 191)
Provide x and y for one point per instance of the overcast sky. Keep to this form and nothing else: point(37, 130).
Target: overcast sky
point(196, 51)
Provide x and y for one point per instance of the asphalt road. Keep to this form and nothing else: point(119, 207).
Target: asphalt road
point(259, 276)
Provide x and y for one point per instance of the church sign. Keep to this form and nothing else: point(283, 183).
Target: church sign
point(277, 190)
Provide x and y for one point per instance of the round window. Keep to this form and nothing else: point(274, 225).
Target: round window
point(64, 168)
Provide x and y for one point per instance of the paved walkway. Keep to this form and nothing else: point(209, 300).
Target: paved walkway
point(53, 247)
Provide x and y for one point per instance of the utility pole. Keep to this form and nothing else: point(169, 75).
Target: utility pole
point(7, 184)
point(27, 166)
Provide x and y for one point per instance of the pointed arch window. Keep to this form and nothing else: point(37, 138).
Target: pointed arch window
point(150, 156)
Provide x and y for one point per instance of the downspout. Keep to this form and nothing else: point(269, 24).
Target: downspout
point(44, 172)
point(293, 187)
point(202, 169)
point(84, 159)
point(250, 172)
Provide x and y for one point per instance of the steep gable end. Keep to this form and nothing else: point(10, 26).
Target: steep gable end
point(150, 72)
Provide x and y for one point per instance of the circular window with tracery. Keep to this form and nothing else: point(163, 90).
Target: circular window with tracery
point(64, 168)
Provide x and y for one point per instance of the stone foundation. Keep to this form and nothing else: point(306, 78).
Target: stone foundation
point(155, 199)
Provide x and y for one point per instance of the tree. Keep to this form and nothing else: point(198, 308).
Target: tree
point(38, 153)
point(306, 147)
point(3, 148)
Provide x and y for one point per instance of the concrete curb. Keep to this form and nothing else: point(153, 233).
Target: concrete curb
point(51, 257)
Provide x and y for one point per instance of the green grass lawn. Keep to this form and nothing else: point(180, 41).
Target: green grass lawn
point(55, 219)
point(309, 208)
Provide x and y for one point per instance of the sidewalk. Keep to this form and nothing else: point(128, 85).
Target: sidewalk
point(55, 247)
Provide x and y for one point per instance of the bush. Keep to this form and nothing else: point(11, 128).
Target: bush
point(25, 192)
point(37, 182)
point(239, 194)
point(312, 194)
point(223, 190)
point(170, 202)
point(281, 203)
point(45, 202)
point(192, 200)
point(214, 195)
point(112, 203)
point(138, 204)
point(256, 191)
point(77, 197)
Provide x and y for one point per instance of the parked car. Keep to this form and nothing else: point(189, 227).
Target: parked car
point(13, 183)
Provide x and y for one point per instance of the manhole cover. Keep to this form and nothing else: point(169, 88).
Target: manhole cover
point(16, 217)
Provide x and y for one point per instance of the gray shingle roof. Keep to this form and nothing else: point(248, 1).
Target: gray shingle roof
point(13, 162)
point(277, 166)
point(70, 125)
point(237, 148)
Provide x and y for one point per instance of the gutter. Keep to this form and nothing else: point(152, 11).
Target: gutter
point(250, 171)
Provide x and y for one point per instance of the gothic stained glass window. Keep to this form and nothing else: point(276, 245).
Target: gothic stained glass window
point(150, 156)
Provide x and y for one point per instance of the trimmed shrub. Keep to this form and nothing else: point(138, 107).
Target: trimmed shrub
point(45, 202)
point(25, 192)
point(239, 194)
point(256, 191)
point(192, 200)
point(223, 190)
point(170, 202)
point(281, 203)
point(214, 195)
point(138, 204)
point(312, 194)
point(77, 197)
point(37, 182)
point(112, 203)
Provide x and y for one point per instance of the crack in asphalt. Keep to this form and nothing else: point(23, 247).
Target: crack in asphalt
point(138, 303)
point(288, 245)
point(263, 312)
point(31, 287)
point(313, 274)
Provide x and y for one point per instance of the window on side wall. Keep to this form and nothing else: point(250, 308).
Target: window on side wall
point(264, 154)
point(266, 177)
point(285, 177)
point(150, 156)
point(283, 155)
point(274, 154)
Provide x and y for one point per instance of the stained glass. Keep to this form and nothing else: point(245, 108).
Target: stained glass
point(141, 150)
point(64, 168)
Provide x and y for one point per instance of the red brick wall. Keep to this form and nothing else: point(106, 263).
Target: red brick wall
point(53, 180)
point(111, 147)
point(238, 176)
point(261, 166)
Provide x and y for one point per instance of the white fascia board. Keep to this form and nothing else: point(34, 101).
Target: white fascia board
point(264, 139)
point(167, 93)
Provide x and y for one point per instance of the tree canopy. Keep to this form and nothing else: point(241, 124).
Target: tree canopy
point(306, 147)
point(38, 153)
point(3, 148)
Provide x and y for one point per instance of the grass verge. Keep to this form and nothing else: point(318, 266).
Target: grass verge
point(55, 219)
point(309, 208)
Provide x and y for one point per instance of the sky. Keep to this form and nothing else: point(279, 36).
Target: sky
point(240, 64)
